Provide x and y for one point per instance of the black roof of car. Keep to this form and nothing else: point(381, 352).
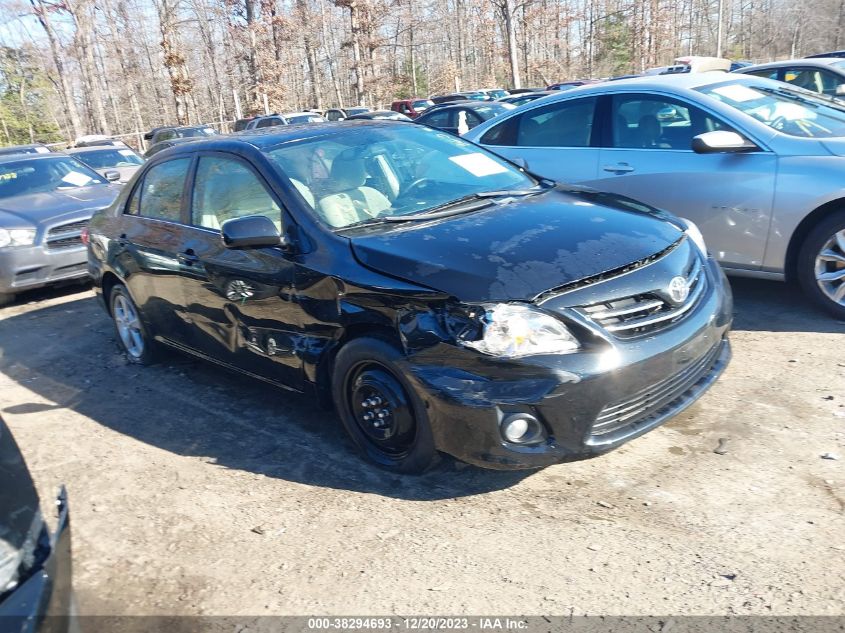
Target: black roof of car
point(21, 149)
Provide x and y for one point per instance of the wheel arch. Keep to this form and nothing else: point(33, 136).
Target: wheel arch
point(108, 282)
point(803, 229)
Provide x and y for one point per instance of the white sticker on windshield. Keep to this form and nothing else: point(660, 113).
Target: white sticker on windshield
point(126, 152)
point(209, 130)
point(42, 150)
point(478, 164)
point(75, 178)
point(737, 92)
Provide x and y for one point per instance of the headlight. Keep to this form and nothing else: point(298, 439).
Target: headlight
point(512, 330)
point(695, 235)
point(17, 237)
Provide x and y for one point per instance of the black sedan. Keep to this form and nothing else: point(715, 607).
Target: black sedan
point(442, 298)
point(458, 118)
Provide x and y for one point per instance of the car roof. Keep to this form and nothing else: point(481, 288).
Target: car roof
point(15, 158)
point(806, 61)
point(94, 148)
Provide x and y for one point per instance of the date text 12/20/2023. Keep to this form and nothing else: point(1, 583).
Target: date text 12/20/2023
point(421, 623)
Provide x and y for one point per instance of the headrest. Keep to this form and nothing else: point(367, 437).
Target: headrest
point(347, 173)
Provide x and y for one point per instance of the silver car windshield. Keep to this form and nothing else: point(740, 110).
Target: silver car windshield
point(366, 175)
point(26, 177)
point(785, 109)
point(105, 158)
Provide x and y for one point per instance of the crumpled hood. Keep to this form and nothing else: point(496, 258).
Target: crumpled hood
point(518, 250)
point(37, 208)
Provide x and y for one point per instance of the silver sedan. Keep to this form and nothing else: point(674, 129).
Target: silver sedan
point(757, 164)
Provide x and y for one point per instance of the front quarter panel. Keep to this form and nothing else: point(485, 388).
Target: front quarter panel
point(804, 184)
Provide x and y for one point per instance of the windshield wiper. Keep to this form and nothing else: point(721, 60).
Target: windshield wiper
point(461, 205)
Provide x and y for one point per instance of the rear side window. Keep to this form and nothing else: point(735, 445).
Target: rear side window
point(225, 189)
point(162, 189)
point(813, 79)
point(269, 122)
point(563, 124)
point(439, 119)
point(771, 73)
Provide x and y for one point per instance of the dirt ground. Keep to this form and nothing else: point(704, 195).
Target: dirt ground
point(194, 491)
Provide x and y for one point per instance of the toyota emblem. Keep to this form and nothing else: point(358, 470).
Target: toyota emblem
point(678, 289)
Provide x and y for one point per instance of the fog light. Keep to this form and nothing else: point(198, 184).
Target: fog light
point(522, 428)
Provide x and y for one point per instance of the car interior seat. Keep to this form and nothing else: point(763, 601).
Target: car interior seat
point(649, 131)
point(352, 201)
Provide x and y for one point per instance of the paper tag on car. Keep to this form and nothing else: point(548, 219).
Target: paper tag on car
point(737, 92)
point(478, 164)
point(75, 178)
point(126, 152)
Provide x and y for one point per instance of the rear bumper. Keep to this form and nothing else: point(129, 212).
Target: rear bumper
point(588, 403)
point(42, 603)
point(23, 268)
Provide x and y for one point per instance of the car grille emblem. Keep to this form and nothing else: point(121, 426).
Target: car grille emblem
point(678, 290)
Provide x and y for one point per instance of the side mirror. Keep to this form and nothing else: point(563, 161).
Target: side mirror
point(721, 141)
point(250, 232)
point(112, 175)
point(840, 90)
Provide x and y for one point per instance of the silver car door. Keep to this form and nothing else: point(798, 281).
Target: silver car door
point(728, 195)
point(555, 140)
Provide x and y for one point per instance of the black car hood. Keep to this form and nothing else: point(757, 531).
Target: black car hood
point(518, 250)
point(36, 208)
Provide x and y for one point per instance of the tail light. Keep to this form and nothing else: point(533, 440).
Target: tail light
point(83, 235)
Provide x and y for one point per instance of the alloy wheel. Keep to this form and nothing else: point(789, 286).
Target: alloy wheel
point(128, 326)
point(830, 268)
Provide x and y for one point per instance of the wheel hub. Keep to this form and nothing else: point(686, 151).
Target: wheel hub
point(830, 268)
point(381, 410)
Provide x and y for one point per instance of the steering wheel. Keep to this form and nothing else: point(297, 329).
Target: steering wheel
point(419, 184)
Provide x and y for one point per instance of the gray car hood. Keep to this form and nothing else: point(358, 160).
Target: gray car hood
point(37, 208)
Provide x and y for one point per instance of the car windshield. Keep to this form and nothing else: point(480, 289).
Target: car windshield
point(304, 118)
point(364, 175)
point(492, 109)
point(193, 131)
point(422, 104)
point(105, 158)
point(20, 178)
point(783, 108)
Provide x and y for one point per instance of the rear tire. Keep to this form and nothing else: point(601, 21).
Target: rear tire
point(379, 408)
point(821, 264)
point(133, 338)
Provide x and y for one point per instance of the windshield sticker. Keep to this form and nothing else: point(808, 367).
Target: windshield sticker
point(75, 178)
point(478, 164)
point(126, 152)
point(42, 150)
point(737, 92)
point(8, 176)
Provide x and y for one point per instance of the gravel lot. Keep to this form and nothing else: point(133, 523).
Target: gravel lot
point(196, 491)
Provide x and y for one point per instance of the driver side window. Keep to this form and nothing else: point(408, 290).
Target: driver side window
point(225, 189)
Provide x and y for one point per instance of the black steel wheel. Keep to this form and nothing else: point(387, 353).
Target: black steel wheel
point(379, 408)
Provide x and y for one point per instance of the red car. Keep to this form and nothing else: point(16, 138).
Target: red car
point(411, 107)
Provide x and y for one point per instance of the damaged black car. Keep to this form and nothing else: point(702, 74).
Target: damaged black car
point(440, 297)
point(35, 566)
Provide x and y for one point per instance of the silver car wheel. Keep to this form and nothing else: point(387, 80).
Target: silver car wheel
point(128, 326)
point(830, 268)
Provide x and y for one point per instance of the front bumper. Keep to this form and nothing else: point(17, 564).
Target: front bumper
point(42, 603)
point(23, 268)
point(588, 402)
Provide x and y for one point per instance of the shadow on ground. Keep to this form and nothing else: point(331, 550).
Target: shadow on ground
point(67, 355)
point(773, 306)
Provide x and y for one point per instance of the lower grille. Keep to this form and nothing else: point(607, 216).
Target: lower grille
point(65, 242)
point(650, 401)
point(648, 312)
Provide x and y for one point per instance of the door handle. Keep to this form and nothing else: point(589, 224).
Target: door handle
point(122, 241)
point(189, 257)
point(620, 168)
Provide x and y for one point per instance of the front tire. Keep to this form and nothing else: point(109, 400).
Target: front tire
point(132, 335)
point(379, 409)
point(821, 264)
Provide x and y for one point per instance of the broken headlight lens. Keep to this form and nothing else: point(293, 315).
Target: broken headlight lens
point(18, 561)
point(17, 237)
point(512, 331)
